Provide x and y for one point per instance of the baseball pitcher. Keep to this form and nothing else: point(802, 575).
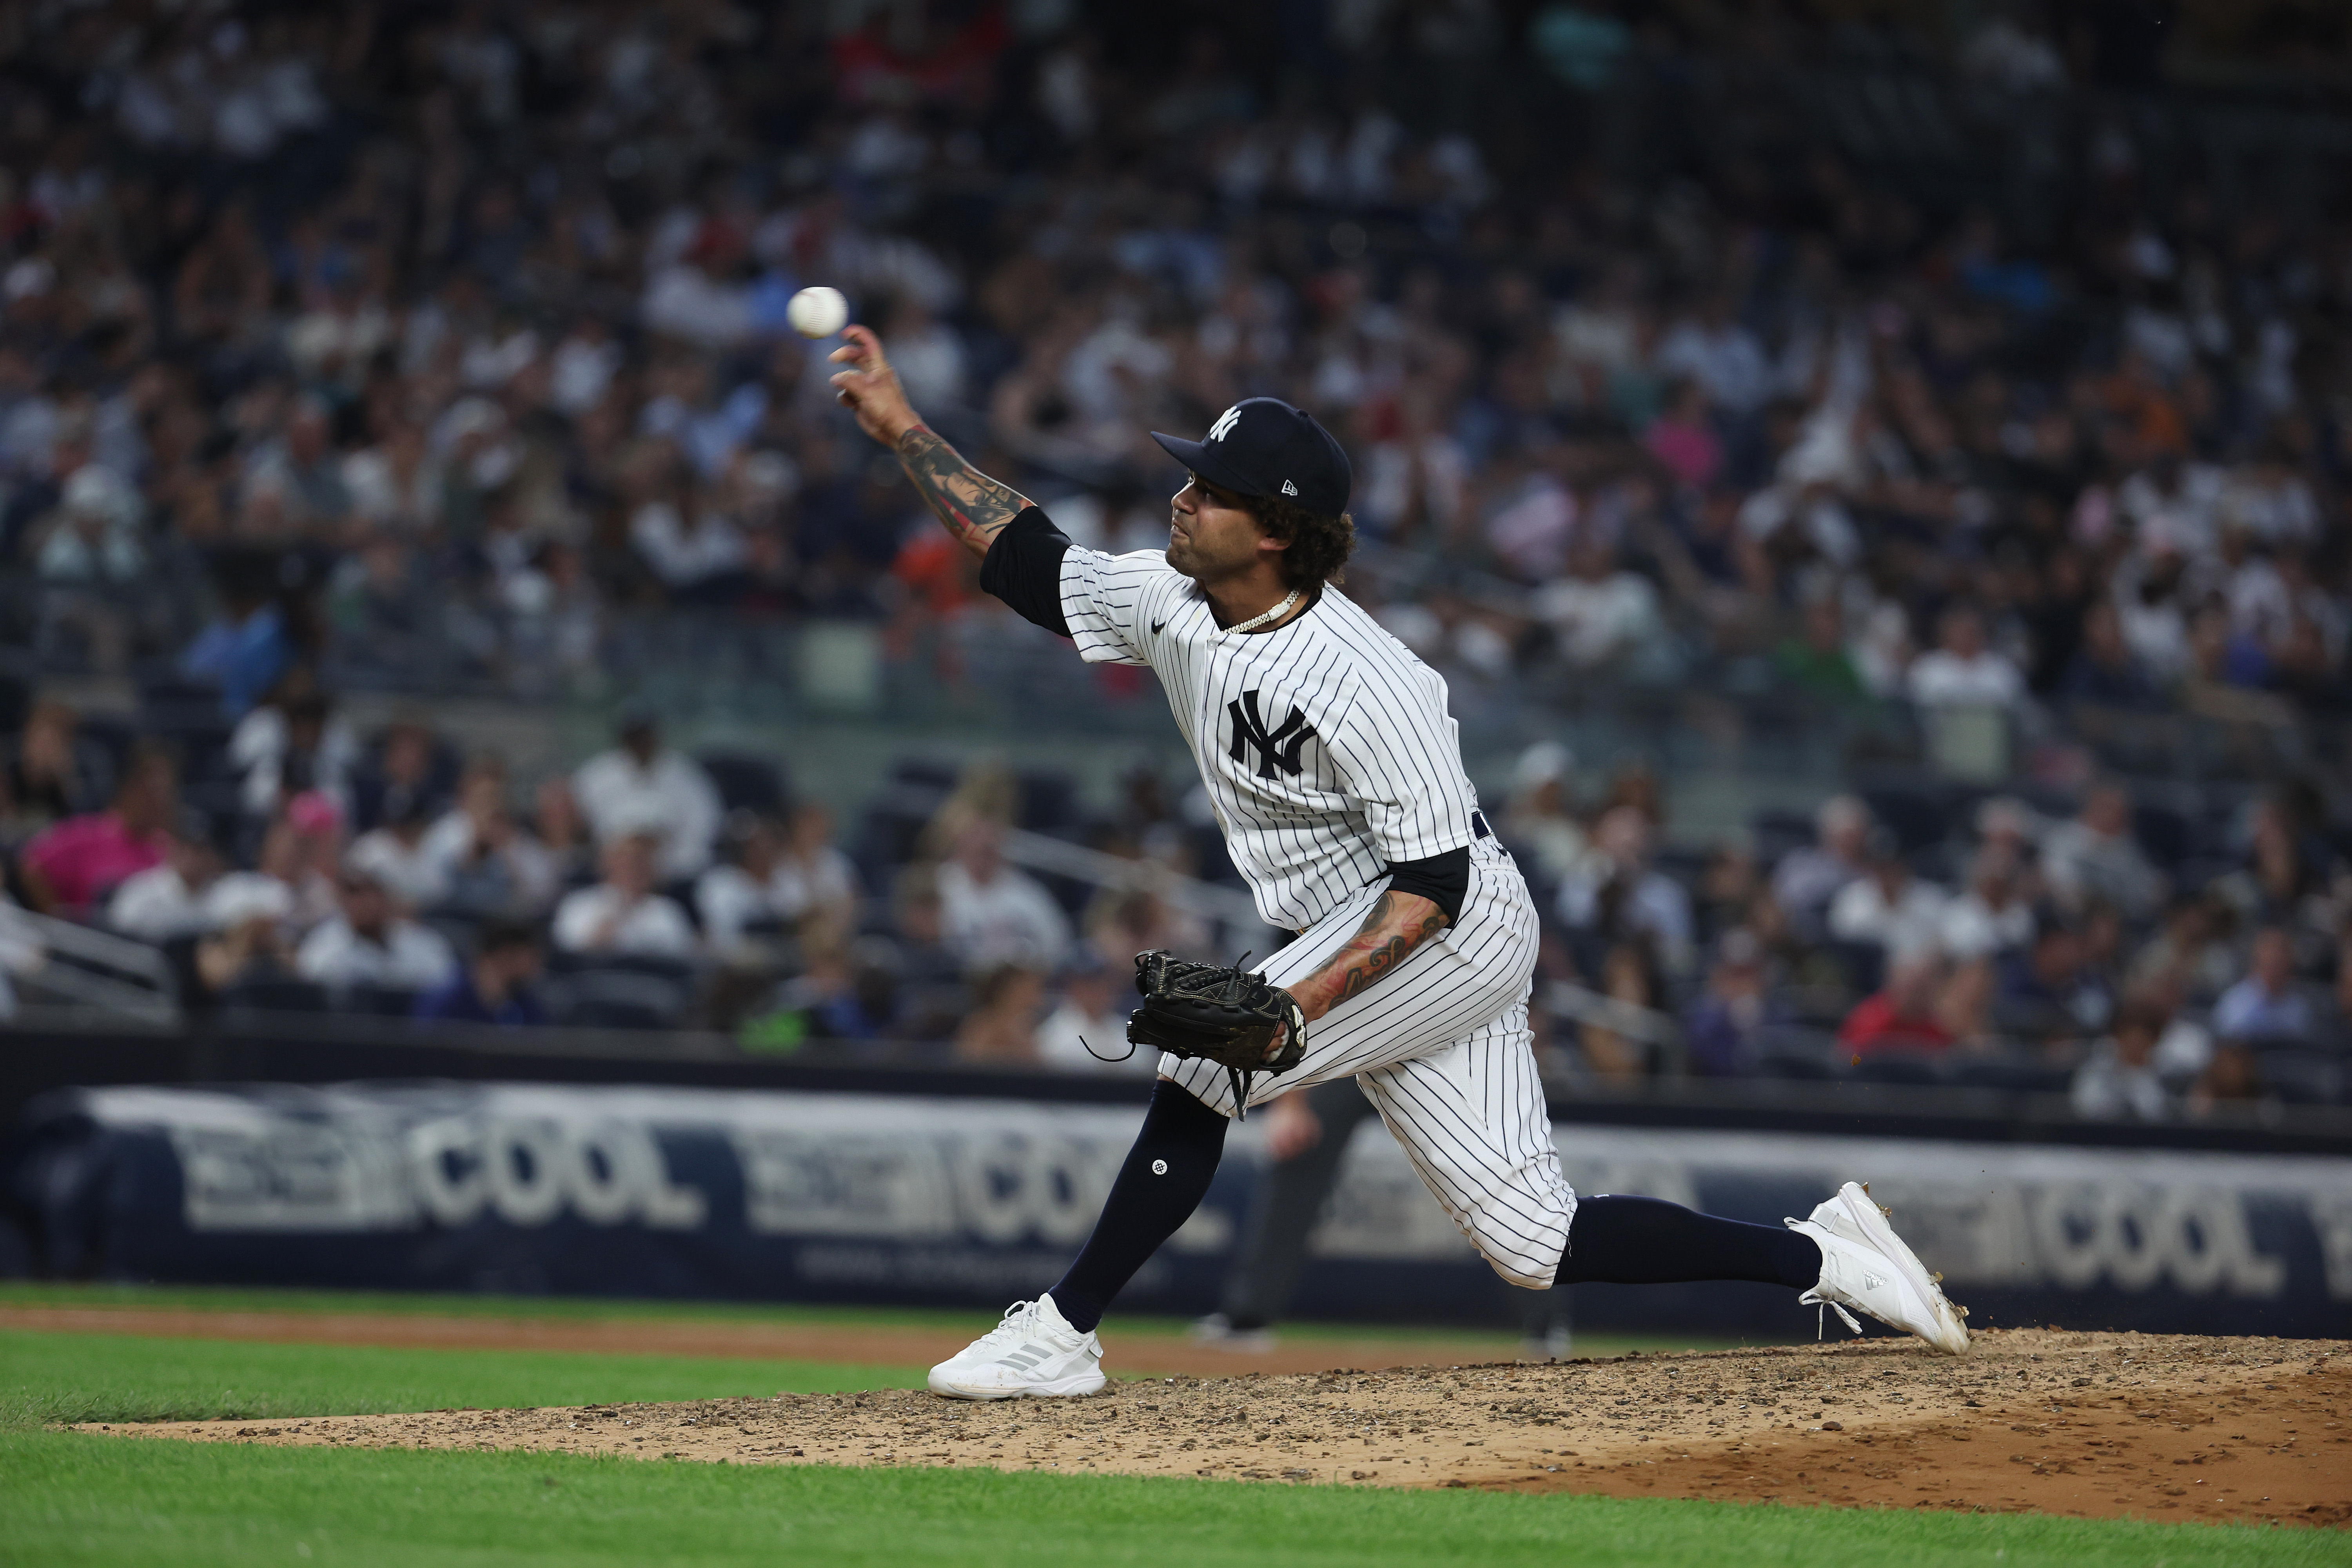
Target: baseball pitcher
point(1337, 775)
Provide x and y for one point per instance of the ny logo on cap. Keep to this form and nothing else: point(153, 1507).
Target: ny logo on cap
point(1225, 422)
point(1277, 748)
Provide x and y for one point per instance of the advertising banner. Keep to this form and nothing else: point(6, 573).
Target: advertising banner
point(665, 1192)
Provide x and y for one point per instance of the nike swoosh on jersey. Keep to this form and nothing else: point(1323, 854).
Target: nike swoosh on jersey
point(1156, 625)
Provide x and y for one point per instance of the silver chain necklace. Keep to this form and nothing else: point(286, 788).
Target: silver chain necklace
point(1274, 613)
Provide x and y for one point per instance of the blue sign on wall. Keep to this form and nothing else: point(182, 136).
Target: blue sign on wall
point(656, 1192)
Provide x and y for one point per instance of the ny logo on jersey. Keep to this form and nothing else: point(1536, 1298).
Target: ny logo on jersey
point(1276, 748)
point(1225, 422)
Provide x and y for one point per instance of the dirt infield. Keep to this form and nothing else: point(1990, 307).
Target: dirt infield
point(2092, 1425)
point(1160, 1354)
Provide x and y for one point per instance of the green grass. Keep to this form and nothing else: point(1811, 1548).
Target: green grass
point(56, 1378)
point(69, 1498)
point(72, 1499)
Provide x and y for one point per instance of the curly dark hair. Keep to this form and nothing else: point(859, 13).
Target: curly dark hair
point(1318, 542)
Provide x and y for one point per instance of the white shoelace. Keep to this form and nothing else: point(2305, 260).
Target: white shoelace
point(1019, 1319)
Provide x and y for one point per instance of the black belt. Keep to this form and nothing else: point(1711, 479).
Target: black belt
point(1479, 824)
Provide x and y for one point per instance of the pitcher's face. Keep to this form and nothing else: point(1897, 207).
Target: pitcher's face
point(1211, 535)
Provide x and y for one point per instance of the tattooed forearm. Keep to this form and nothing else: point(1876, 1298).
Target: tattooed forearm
point(974, 507)
point(1397, 924)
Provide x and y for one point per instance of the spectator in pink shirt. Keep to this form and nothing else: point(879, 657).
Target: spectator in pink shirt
point(1683, 439)
point(69, 866)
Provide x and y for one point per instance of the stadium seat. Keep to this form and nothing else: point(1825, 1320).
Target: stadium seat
point(2011, 1075)
point(613, 999)
point(275, 996)
point(1898, 1067)
point(1777, 832)
point(675, 971)
point(1918, 818)
point(460, 927)
point(375, 1001)
point(1806, 1054)
point(929, 773)
point(2163, 833)
point(170, 705)
point(747, 783)
point(1049, 802)
point(2300, 1077)
point(1864, 965)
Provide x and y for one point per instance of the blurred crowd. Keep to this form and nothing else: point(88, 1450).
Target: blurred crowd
point(387, 877)
point(2150, 961)
point(437, 337)
point(362, 347)
point(2152, 958)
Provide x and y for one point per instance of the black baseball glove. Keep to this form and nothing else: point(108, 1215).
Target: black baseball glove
point(1228, 1016)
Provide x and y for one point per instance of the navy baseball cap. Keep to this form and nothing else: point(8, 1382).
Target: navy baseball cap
point(1263, 446)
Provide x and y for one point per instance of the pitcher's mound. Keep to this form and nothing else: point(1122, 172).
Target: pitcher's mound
point(2097, 1424)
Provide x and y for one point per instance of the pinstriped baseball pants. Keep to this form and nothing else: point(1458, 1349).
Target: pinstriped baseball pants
point(1440, 1047)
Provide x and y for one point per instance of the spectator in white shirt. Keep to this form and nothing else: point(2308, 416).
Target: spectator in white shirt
point(1541, 821)
point(1717, 351)
point(368, 944)
point(289, 884)
point(1089, 1024)
point(481, 856)
point(788, 874)
point(167, 901)
point(1963, 671)
point(993, 914)
point(1809, 877)
point(641, 781)
point(1890, 907)
point(1990, 916)
point(396, 854)
point(2267, 1008)
point(1615, 891)
point(687, 540)
point(2094, 856)
point(1600, 612)
point(622, 916)
point(2120, 1079)
point(294, 744)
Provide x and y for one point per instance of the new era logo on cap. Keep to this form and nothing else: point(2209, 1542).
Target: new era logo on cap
point(1263, 446)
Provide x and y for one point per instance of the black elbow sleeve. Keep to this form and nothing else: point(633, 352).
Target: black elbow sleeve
point(1023, 568)
point(1442, 880)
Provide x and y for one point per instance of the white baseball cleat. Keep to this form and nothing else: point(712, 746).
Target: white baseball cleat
point(1034, 1353)
point(1867, 1266)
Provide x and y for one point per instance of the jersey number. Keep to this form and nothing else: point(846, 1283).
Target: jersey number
point(1276, 748)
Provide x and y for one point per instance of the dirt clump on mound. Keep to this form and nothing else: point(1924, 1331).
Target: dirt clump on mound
point(2095, 1425)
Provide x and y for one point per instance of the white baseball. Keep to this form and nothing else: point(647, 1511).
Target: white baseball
point(817, 312)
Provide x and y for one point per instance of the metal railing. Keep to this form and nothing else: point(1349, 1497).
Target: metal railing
point(1228, 907)
point(96, 972)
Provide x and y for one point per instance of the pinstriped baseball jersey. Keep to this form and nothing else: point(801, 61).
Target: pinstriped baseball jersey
point(1325, 744)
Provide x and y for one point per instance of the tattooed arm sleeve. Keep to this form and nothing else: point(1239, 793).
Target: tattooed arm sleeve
point(1397, 924)
point(974, 507)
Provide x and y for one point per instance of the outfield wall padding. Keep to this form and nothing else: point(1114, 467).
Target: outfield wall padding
point(696, 1193)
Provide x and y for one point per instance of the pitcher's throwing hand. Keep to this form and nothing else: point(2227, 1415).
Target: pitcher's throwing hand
point(869, 388)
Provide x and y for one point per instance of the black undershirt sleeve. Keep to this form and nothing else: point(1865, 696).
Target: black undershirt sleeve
point(1442, 880)
point(1023, 568)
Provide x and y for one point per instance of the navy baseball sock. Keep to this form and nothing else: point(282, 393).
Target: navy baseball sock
point(1643, 1241)
point(1166, 1176)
